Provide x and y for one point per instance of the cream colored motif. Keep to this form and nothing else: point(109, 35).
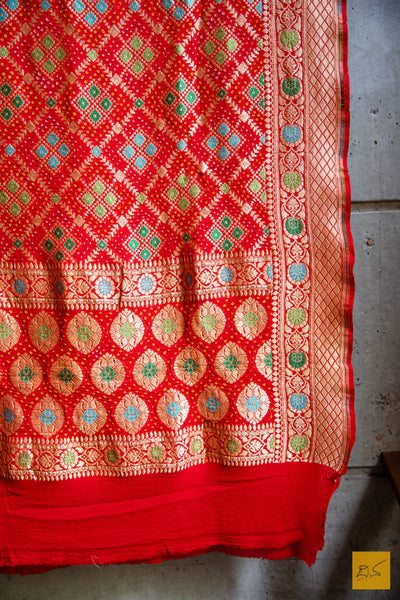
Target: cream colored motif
point(10, 331)
point(253, 403)
point(26, 374)
point(108, 373)
point(44, 331)
point(127, 330)
point(208, 322)
point(83, 332)
point(168, 326)
point(65, 375)
point(250, 318)
point(173, 409)
point(131, 413)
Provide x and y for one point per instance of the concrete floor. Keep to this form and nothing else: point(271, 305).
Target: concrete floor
point(363, 514)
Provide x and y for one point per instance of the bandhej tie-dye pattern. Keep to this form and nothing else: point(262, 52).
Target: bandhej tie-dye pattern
point(175, 278)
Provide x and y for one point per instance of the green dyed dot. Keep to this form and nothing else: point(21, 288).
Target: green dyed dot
point(231, 44)
point(220, 57)
point(137, 67)
point(5, 331)
point(299, 442)
point(294, 226)
point(296, 316)
point(136, 43)
point(99, 210)
point(272, 442)
point(108, 374)
point(297, 359)
point(48, 42)
point(289, 38)
point(24, 459)
point(190, 366)
point(149, 370)
point(44, 332)
point(125, 56)
point(232, 446)
point(196, 446)
point(26, 374)
point(112, 456)
point(268, 360)
point(84, 333)
point(148, 54)
point(69, 459)
point(250, 319)
point(209, 322)
point(127, 330)
point(194, 191)
point(65, 375)
point(209, 47)
point(168, 326)
point(231, 362)
point(49, 66)
point(291, 86)
point(156, 452)
point(292, 179)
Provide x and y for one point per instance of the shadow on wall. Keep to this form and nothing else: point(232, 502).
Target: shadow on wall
point(370, 530)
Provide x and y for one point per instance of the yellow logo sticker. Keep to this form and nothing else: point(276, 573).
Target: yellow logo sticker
point(371, 570)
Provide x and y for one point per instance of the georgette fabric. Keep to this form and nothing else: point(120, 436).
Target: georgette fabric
point(175, 278)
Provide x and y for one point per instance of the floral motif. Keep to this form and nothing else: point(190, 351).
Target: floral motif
point(112, 456)
point(65, 375)
point(297, 359)
point(44, 331)
point(233, 446)
point(298, 401)
point(131, 413)
point(89, 415)
point(127, 330)
point(253, 403)
point(10, 331)
point(212, 403)
point(149, 370)
point(231, 362)
point(47, 416)
point(168, 326)
point(296, 315)
point(108, 373)
point(104, 287)
point(190, 365)
point(289, 38)
point(69, 460)
point(157, 454)
point(299, 443)
point(26, 374)
point(250, 318)
point(173, 409)
point(11, 414)
point(83, 332)
point(264, 360)
point(208, 322)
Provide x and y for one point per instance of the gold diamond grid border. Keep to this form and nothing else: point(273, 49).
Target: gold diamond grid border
point(332, 421)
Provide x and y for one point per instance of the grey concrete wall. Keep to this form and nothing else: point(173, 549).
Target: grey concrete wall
point(363, 514)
